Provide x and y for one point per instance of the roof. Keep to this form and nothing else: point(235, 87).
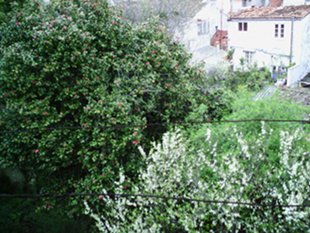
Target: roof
point(273, 12)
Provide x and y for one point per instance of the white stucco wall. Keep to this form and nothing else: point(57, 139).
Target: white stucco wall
point(295, 2)
point(260, 38)
point(294, 74)
point(305, 43)
point(211, 13)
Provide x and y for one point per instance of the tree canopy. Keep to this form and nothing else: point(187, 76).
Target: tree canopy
point(80, 88)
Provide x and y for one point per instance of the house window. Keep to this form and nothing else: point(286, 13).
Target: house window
point(245, 3)
point(248, 57)
point(279, 30)
point(242, 26)
point(245, 26)
point(276, 30)
point(202, 27)
point(282, 31)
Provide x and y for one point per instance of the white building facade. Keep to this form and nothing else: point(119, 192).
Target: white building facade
point(198, 31)
point(276, 38)
point(236, 5)
point(295, 2)
point(212, 17)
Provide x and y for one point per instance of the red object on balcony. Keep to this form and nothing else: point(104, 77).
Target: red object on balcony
point(275, 3)
point(220, 39)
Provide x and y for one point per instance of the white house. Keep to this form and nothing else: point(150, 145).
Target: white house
point(199, 30)
point(274, 37)
point(212, 17)
point(236, 5)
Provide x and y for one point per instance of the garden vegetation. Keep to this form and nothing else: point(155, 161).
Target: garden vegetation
point(89, 104)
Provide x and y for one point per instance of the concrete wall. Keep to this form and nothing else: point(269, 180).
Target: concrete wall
point(260, 58)
point(305, 43)
point(294, 74)
point(301, 49)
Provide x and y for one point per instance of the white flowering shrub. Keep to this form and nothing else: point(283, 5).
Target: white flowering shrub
point(268, 188)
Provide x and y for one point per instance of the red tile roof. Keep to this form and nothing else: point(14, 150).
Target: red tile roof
point(272, 12)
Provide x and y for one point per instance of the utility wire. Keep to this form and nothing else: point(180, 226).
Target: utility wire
point(152, 196)
point(148, 196)
point(122, 126)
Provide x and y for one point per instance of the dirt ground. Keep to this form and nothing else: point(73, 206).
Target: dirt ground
point(298, 94)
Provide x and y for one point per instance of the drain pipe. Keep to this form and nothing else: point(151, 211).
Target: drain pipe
point(292, 39)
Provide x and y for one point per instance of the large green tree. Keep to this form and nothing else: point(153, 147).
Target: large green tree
point(80, 89)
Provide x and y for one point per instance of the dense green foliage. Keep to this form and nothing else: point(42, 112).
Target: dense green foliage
point(6, 6)
point(22, 216)
point(79, 89)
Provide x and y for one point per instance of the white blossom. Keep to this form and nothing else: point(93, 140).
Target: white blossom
point(213, 174)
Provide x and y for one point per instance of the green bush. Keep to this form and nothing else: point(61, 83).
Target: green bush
point(80, 89)
point(253, 79)
point(274, 107)
point(244, 108)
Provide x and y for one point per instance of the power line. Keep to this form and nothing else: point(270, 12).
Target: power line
point(158, 124)
point(148, 196)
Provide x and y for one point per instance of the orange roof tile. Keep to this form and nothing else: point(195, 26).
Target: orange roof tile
point(272, 12)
